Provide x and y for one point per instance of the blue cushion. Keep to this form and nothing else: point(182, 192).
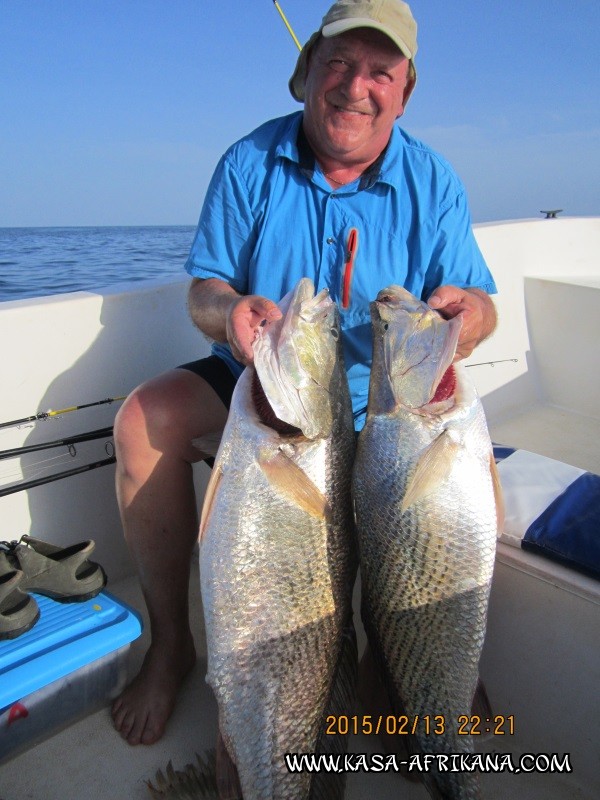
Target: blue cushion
point(501, 452)
point(568, 530)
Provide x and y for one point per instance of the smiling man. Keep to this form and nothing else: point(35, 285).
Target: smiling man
point(355, 88)
point(337, 192)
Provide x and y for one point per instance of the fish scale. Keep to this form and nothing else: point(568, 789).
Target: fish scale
point(426, 507)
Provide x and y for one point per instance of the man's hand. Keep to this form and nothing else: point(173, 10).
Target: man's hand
point(225, 316)
point(476, 309)
point(244, 317)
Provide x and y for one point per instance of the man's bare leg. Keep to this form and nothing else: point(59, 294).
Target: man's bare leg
point(153, 435)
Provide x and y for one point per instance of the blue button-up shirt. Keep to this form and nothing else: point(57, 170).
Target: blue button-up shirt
point(270, 218)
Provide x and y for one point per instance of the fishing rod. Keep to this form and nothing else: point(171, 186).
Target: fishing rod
point(492, 363)
point(43, 415)
point(67, 441)
point(287, 25)
point(21, 487)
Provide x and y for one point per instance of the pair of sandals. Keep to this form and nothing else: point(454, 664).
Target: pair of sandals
point(31, 565)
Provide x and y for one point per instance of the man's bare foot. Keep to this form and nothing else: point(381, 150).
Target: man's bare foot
point(141, 712)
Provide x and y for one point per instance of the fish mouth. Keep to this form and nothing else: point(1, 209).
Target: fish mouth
point(419, 346)
point(292, 376)
point(446, 386)
point(265, 411)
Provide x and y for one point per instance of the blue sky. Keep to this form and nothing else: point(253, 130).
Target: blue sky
point(115, 112)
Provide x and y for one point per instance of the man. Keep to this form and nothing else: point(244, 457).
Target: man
point(336, 192)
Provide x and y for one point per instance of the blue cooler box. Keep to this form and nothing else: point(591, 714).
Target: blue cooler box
point(71, 663)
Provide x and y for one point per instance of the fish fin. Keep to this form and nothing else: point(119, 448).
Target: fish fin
point(228, 781)
point(432, 470)
point(209, 443)
point(209, 496)
point(498, 494)
point(292, 482)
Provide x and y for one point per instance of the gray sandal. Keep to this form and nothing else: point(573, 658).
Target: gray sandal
point(18, 611)
point(64, 574)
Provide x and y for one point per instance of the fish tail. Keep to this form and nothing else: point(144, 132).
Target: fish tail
point(194, 782)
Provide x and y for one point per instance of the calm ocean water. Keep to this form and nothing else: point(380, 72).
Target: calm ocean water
point(44, 261)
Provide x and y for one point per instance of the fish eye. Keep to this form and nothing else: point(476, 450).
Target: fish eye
point(385, 326)
point(335, 333)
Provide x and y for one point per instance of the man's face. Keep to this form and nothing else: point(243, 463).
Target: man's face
point(355, 88)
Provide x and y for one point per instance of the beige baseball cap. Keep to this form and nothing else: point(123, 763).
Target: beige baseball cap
point(392, 17)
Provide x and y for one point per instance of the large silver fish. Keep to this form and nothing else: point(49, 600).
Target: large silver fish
point(425, 495)
point(277, 553)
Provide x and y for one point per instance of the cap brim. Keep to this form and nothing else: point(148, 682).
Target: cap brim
point(343, 25)
point(296, 82)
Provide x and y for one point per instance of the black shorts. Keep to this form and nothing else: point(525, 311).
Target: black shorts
point(218, 375)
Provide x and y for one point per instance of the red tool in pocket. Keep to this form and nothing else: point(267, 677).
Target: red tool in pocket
point(351, 248)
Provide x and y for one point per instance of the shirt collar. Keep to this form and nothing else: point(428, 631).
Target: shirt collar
point(295, 147)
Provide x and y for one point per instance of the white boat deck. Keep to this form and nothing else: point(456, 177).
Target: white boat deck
point(553, 432)
point(89, 759)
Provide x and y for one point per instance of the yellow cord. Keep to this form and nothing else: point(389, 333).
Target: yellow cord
point(287, 25)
